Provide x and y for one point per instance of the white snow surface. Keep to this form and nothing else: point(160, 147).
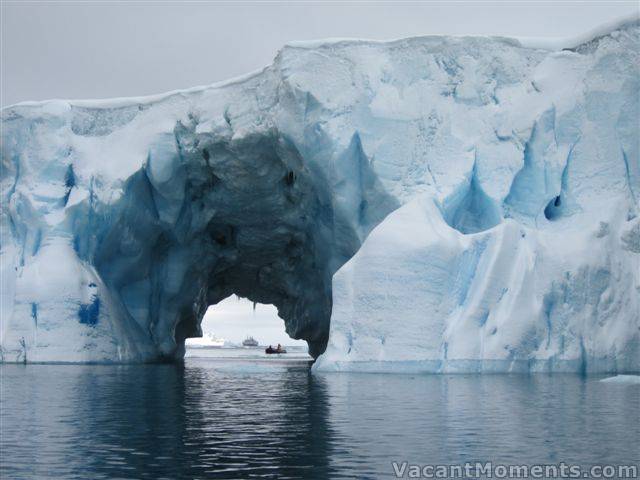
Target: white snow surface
point(431, 204)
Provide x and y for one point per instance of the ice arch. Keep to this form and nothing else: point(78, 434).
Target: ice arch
point(206, 217)
point(250, 221)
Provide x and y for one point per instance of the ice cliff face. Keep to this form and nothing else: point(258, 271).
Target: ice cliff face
point(431, 204)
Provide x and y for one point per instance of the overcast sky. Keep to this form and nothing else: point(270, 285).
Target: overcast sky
point(234, 319)
point(106, 49)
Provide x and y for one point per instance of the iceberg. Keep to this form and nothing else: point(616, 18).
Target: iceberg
point(430, 204)
point(623, 379)
point(208, 340)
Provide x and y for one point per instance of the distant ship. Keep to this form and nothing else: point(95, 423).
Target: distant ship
point(250, 342)
point(208, 340)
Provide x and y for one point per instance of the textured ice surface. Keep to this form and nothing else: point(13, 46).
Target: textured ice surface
point(483, 193)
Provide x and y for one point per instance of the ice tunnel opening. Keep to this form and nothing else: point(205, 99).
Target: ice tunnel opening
point(205, 219)
point(233, 320)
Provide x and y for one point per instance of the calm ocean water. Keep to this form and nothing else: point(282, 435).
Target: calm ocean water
point(257, 417)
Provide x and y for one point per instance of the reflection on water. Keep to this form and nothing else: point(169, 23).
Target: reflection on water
point(234, 418)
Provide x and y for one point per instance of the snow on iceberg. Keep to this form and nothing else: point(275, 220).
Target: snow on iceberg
point(426, 204)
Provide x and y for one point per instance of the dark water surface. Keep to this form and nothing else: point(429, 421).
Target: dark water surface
point(245, 418)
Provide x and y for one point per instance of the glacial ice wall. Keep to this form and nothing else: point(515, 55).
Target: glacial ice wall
point(427, 204)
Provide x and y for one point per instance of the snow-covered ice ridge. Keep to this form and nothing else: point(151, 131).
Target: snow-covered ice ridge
point(429, 204)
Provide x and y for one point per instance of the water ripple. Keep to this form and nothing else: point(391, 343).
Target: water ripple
point(216, 418)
